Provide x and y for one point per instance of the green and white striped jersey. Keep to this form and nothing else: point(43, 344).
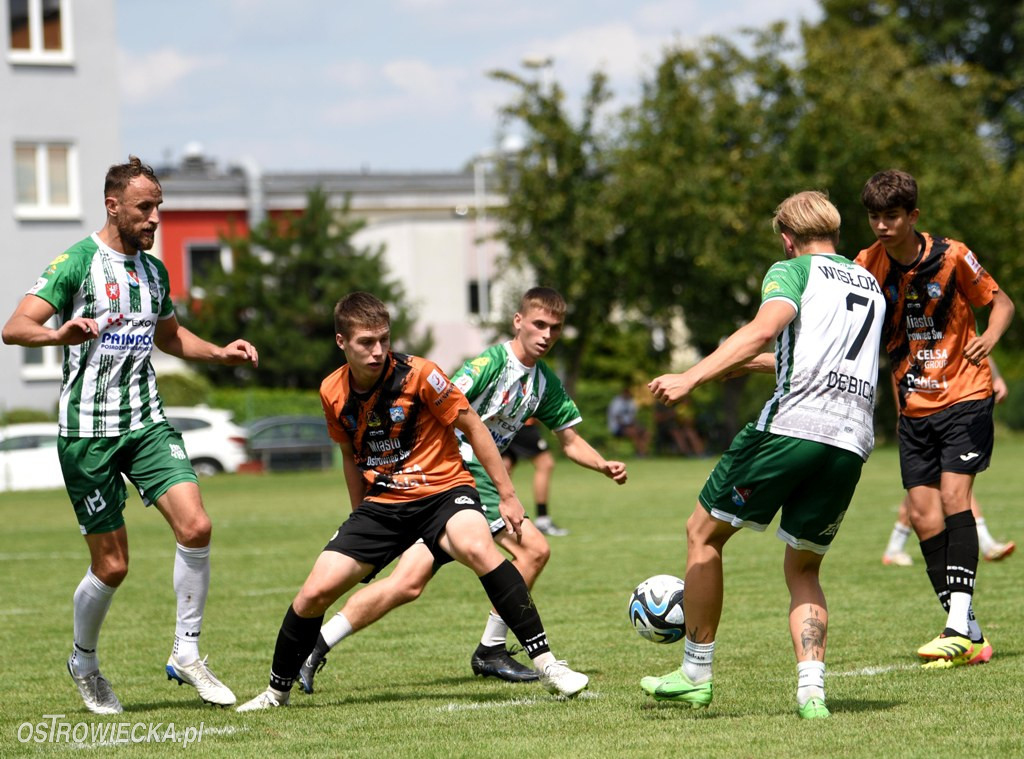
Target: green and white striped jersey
point(826, 359)
point(108, 386)
point(505, 393)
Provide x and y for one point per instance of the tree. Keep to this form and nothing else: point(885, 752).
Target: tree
point(281, 291)
point(981, 39)
point(560, 221)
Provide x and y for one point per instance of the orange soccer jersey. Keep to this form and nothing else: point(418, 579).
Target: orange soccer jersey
point(401, 430)
point(929, 321)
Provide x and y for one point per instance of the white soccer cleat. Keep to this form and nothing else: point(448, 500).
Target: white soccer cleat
point(199, 676)
point(897, 559)
point(559, 680)
point(96, 692)
point(999, 551)
point(268, 699)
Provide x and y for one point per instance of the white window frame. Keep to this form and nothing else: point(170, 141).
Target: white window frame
point(36, 55)
point(43, 209)
point(52, 365)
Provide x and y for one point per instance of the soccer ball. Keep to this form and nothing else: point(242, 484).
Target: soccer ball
point(656, 609)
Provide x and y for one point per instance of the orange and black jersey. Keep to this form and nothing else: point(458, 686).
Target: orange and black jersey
point(929, 321)
point(401, 429)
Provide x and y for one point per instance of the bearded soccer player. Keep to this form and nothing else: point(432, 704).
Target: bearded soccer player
point(114, 305)
point(944, 387)
point(394, 417)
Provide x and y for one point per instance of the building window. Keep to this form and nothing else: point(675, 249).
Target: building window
point(204, 260)
point(42, 363)
point(39, 31)
point(46, 180)
point(474, 296)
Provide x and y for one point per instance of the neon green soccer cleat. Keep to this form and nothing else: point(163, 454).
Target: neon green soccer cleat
point(814, 709)
point(676, 686)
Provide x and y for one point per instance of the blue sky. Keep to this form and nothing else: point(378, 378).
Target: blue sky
point(387, 85)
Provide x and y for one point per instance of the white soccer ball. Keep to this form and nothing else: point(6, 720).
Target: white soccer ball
point(656, 609)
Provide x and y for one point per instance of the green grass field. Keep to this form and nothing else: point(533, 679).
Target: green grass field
point(404, 688)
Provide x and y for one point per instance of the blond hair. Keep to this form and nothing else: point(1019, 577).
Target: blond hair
point(807, 217)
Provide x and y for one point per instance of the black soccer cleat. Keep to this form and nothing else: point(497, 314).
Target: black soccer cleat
point(496, 661)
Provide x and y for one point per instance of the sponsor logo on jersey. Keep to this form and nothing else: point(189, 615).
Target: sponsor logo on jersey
point(972, 261)
point(968, 456)
point(892, 294)
point(847, 383)
point(477, 364)
point(177, 452)
point(932, 358)
point(39, 285)
point(384, 446)
point(348, 422)
point(740, 495)
point(924, 384)
point(397, 414)
point(934, 290)
point(52, 268)
point(464, 500)
point(133, 277)
point(117, 341)
point(437, 381)
point(464, 382)
point(770, 287)
point(113, 290)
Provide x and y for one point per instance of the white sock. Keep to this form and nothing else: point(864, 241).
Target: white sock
point(810, 676)
point(191, 584)
point(336, 629)
point(697, 661)
point(91, 602)
point(542, 660)
point(973, 628)
point(898, 538)
point(495, 631)
point(959, 611)
point(985, 539)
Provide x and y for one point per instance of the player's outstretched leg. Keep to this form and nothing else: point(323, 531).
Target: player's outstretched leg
point(676, 686)
point(511, 599)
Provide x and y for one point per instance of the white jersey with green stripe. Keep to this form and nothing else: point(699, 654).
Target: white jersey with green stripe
point(826, 359)
point(505, 392)
point(108, 385)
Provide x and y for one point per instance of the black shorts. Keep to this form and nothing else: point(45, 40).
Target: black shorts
point(378, 533)
point(527, 444)
point(957, 439)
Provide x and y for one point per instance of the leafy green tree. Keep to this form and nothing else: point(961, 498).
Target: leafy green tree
point(561, 220)
point(280, 295)
point(981, 39)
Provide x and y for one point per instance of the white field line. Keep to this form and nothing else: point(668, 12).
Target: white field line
point(872, 671)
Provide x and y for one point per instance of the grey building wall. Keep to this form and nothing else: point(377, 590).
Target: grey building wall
point(78, 103)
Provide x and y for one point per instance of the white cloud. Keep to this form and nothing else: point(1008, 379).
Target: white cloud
point(399, 89)
point(152, 75)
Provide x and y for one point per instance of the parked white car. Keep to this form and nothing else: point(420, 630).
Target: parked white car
point(214, 443)
point(28, 452)
point(28, 457)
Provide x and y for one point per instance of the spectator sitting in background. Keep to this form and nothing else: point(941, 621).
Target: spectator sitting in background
point(622, 421)
point(675, 430)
